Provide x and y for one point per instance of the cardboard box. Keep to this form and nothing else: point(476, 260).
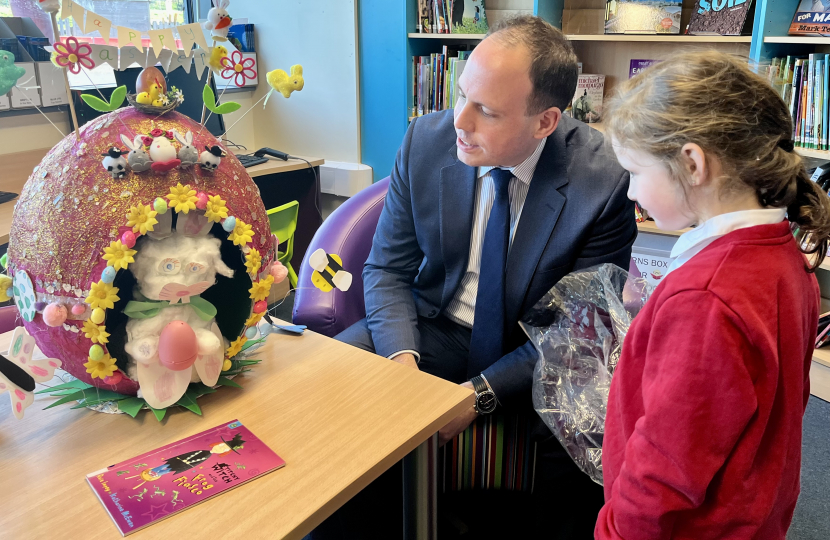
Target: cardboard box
point(49, 77)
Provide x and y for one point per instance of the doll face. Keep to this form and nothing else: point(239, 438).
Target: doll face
point(220, 449)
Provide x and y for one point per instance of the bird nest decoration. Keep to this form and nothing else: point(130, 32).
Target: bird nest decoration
point(152, 95)
point(141, 261)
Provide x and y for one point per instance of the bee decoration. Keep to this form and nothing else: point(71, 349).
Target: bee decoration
point(328, 272)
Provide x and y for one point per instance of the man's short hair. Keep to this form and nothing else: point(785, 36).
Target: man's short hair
point(553, 63)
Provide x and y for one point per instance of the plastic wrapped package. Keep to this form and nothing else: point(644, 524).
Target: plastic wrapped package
point(578, 328)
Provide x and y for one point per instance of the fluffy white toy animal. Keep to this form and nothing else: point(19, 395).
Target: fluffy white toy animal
point(218, 21)
point(138, 158)
point(172, 337)
point(187, 153)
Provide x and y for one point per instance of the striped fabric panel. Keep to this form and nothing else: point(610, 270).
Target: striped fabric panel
point(495, 452)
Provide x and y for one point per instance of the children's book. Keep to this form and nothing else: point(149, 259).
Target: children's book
point(642, 16)
point(812, 17)
point(586, 105)
point(721, 17)
point(467, 16)
point(162, 482)
point(636, 66)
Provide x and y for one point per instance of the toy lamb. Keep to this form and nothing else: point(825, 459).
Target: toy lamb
point(172, 337)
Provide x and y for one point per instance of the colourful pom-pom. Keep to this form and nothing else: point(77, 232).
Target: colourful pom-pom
point(229, 224)
point(201, 200)
point(226, 365)
point(160, 205)
point(128, 239)
point(251, 332)
point(96, 352)
point(54, 314)
point(78, 309)
point(115, 378)
point(279, 271)
point(108, 275)
point(97, 316)
point(40, 306)
point(260, 306)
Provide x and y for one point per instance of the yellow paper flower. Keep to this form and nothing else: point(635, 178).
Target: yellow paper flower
point(118, 255)
point(253, 261)
point(241, 234)
point(102, 295)
point(254, 319)
point(236, 346)
point(260, 289)
point(98, 334)
point(216, 210)
point(142, 218)
point(182, 198)
point(102, 368)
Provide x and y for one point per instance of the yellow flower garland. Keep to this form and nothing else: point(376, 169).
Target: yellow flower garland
point(260, 289)
point(100, 369)
point(98, 334)
point(254, 318)
point(118, 255)
point(142, 218)
point(242, 233)
point(253, 261)
point(216, 210)
point(102, 295)
point(182, 198)
point(236, 346)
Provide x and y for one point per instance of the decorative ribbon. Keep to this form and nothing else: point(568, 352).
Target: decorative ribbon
point(150, 308)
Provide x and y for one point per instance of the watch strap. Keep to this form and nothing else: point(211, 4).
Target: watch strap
point(479, 385)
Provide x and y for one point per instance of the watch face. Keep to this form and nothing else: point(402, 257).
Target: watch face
point(486, 402)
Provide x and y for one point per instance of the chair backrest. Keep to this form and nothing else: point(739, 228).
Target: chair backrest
point(283, 222)
point(347, 232)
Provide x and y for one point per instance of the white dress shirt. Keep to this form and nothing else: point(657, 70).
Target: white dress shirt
point(691, 243)
point(461, 308)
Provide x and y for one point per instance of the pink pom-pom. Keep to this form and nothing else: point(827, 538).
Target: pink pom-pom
point(201, 200)
point(260, 306)
point(78, 309)
point(128, 239)
point(54, 314)
point(279, 271)
point(115, 378)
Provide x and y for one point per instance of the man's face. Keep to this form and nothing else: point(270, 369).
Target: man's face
point(491, 121)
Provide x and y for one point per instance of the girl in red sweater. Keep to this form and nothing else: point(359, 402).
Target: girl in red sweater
point(703, 427)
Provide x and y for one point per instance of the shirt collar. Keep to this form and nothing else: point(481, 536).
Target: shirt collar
point(692, 242)
point(524, 170)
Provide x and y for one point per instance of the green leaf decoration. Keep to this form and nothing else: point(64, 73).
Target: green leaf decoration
point(116, 99)
point(189, 402)
point(131, 405)
point(66, 399)
point(224, 381)
point(251, 343)
point(210, 102)
point(159, 413)
point(76, 384)
point(93, 396)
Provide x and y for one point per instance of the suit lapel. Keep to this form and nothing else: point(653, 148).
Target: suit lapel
point(456, 199)
point(539, 216)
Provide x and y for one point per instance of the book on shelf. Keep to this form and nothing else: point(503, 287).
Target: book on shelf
point(636, 66)
point(812, 17)
point(452, 17)
point(586, 104)
point(721, 17)
point(435, 79)
point(804, 85)
point(642, 17)
point(242, 37)
point(157, 484)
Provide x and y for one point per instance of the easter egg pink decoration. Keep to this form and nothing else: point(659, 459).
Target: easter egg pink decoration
point(71, 210)
point(177, 346)
point(279, 271)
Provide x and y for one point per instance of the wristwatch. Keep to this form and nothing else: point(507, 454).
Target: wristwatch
point(485, 398)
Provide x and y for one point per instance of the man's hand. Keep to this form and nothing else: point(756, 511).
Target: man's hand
point(459, 423)
point(407, 359)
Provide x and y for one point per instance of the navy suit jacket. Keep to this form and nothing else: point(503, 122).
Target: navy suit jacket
point(576, 215)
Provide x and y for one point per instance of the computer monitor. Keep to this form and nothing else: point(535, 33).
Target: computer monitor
point(188, 83)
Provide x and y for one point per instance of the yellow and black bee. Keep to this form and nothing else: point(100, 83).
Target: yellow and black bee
point(328, 272)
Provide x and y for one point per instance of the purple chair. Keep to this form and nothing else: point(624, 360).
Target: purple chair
point(347, 232)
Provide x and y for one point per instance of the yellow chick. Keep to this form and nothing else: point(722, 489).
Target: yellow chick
point(284, 83)
point(153, 97)
point(216, 54)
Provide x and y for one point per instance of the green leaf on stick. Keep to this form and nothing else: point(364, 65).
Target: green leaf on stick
point(210, 102)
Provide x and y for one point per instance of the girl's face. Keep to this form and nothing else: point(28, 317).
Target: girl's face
point(654, 189)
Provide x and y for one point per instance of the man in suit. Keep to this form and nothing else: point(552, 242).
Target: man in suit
point(490, 205)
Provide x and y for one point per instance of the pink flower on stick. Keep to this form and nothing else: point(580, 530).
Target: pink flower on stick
point(238, 67)
point(71, 54)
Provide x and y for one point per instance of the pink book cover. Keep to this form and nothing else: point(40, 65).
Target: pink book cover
point(162, 482)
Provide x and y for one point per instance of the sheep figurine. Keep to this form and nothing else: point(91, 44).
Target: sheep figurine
point(172, 336)
point(187, 153)
point(210, 159)
point(163, 154)
point(114, 162)
point(138, 158)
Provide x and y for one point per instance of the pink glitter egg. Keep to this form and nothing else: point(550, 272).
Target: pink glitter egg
point(201, 200)
point(71, 209)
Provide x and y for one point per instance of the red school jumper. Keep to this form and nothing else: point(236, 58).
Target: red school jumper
point(703, 428)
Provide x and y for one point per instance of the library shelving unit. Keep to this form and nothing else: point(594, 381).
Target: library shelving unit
point(387, 37)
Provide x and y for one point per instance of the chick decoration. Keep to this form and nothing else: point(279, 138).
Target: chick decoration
point(216, 54)
point(9, 72)
point(284, 83)
point(152, 97)
point(151, 87)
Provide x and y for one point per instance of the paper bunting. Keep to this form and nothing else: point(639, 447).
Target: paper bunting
point(163, 58)
point(200, 61)
point(180, 60)
point(129, 36)
point(162, 38)
point(190, 34)
point(130, 56)
point(71, 9)
point(96, 23)
point(104, 54)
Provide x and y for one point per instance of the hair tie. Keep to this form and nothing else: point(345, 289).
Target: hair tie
point(786, 144)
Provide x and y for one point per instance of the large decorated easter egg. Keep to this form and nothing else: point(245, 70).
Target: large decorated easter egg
point(132, 185)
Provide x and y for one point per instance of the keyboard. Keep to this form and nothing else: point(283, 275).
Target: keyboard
point(250, 161)
point(5, 196)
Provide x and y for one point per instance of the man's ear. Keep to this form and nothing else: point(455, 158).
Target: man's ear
point(694, 160)
point(547, 122)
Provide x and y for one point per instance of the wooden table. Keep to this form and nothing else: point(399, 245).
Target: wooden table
point(339, 417)
point(274, 166)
